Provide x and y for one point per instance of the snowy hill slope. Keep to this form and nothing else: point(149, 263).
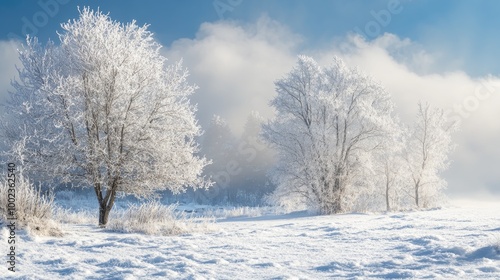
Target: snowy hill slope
point(458, 242)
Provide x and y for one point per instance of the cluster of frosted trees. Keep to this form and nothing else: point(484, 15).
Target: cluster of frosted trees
point(340, 147)
point(103, 109)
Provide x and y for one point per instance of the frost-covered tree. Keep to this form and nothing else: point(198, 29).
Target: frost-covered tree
point(103, 109)
point(391, 176)
point(389, 171)
point(426, 154)
point(328, 123)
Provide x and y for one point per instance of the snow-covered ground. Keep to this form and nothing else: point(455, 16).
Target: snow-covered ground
point(456, 242)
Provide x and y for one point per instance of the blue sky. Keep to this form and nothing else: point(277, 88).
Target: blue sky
point(443, 52)
point(468, 29)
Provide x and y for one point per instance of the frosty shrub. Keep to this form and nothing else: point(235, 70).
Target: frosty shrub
point(288, 201)
point(71, 217)
point(155, 218)
point(34, 209)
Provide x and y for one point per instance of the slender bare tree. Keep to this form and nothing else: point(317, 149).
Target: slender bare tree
point(426, 154)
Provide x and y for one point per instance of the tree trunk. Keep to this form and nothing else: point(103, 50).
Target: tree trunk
point(103, 215)
point(335, 205)
point(387, 197)
point(416, 195)
point(106, 204)
point(329, 196)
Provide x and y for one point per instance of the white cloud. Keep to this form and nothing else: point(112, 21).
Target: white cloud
point(235, 67)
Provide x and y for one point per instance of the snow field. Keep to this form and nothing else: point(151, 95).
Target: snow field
point(457, 242)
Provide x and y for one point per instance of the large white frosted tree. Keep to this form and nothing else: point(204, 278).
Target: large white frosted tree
point(328, 123)
point(104, 109)
point(426, 154)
